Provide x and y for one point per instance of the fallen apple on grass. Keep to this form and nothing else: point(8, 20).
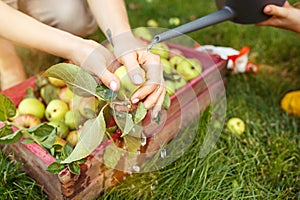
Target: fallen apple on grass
point(236, 125)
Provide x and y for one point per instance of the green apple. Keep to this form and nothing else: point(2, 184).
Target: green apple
point(72, 137)
point(88, 107)
point(143, 32)
point(236, 125)
point(66, 95)
point(152, 23)
point(127, 87)
point(167, 67)
point(174, 21)
point(56, 82)
point(56, 110)
point(32, 106)
point(27, 120)
point(62, 128)
point(161, 49)
point(170, 87)
point(74, 119)
point(175, 60)
point(179, 83)
point(189, 68)
point(175, 52)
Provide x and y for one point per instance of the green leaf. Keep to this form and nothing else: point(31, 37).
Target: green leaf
point(90, 138)
point(5, 130)
point(42, 130)
point(112, 155)
point(11, 138)
point(29, 93)
point(66, 151)
point(74, 168)
point(7, 108)
point(49, 92)
point(128, 124)
point(49, 141)
point(55, 167)
point(132, 144)
point(167, 102)
point(105, 93)
point(79, 80)
point(27, 141)
point(158, 118)
point(125, 122)
point(140, 113)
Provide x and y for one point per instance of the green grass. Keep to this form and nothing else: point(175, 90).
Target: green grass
point(261, 164)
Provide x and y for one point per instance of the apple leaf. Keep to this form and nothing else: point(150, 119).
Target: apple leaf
point(90, 138)
point(7, 108)
point(140, 113)
point(55, 167)
point(10, 138)
point(125, 122)
point(77, 79)
point(132, 144)
point(112, 155)
point(74, 167)
point(167, 102)
point(105, 93)
point(49, 92)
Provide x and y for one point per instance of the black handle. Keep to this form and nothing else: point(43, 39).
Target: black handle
point(224, 14)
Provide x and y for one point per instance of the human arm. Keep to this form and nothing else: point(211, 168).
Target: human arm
point(285, 17)
point(111, 16)
point(28, 32)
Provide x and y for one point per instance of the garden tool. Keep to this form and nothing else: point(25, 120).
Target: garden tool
point(238, 11)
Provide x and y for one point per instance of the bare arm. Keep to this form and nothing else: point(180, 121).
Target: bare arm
point(111, 15)
point(26, 31)
point(285, 17)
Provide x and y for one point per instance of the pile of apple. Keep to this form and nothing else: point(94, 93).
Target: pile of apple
point(177, 68)
point(52, 102)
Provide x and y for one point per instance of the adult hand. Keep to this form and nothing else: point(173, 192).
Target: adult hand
point(132, 53)
point(285, 17)
point(98, 61)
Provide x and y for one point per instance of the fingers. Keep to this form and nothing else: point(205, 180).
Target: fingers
point(110, 80)
point(134, 70)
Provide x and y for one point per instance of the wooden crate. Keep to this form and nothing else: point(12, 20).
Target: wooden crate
point(94, 176)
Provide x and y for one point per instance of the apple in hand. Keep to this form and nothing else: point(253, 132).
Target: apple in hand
point(170, 87)
point(56, 110)
point(32, 106)
point(62, 129)
point(161, 49)
point(127, 87)
point(74, 119)
point(167, 67)
point(236, 125)
point(27, 120)
point(189, 68)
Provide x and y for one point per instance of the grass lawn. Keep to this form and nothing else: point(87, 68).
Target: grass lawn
point(263, 163)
